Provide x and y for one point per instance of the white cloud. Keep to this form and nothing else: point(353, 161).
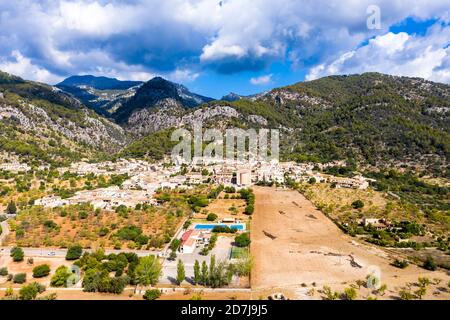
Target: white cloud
point(397, 54)
point(21, 66)
point(160, 37)
point(183, 75)
point(262, 80)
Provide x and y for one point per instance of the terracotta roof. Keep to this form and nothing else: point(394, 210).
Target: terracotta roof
point(186, 236)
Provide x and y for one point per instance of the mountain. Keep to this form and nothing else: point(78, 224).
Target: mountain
point(99, 83)
point(370, 118)
point(153, 96)
point(373, 119)
point(103, 95)
point(41, 123)
point(231, 97)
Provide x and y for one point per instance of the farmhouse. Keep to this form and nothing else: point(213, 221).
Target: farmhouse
point(191, 239)
point(358, 182)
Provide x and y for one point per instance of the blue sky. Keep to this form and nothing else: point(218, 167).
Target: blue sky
point(215, 47)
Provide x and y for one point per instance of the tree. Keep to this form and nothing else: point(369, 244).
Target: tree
point(172, 256)
point(152, 294)
point(242, 240)
point(11, 208)
point(181, 274)
point(17, 254)
point(148, 271)
point(30, 292)
point(59, 279)
point(204, 273)
point(211, 217)
point(212, 265)
point(358, 204)
point(41, 271)
point(197, 272)
point(74, 252)
point(175, 244)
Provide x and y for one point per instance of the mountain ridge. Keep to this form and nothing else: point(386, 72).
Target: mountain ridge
point(369, 118)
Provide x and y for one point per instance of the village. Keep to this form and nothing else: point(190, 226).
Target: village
point(146, 178)
point(212, 231)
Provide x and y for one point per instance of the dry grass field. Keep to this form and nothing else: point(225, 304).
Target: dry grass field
point(295, 246)
point(222, 207)
point(24, 267)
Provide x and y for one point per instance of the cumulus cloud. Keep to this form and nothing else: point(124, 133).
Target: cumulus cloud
point(262, 80)
point(425, 56)
point(174, 37)
point(20, 66)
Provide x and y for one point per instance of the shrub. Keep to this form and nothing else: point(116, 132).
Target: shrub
point(50, 224)
point(17, 254)
point(103, 231)
point(211, 217)
point(129, 233)
point(74, 252)
point(242, 240)
point(152, 294)
point(429, 264)
point(20, 278)
point(358, 204)
point(350, 294)
point(82, 215)
point(402, 264)
point(41, 271)
point(3, 271)
point(249, 209)
point(11, 208)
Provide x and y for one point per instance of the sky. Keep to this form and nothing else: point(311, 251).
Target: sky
point(219, 46)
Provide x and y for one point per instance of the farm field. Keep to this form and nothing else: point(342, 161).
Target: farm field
point(296, 246)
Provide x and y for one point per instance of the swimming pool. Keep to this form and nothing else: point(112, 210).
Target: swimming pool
point(239, 226)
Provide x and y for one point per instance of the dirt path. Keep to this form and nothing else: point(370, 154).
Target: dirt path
point(293, 244)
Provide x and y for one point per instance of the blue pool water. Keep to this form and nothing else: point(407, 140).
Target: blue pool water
point(211, 226)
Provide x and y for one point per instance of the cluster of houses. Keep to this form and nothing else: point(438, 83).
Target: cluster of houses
point(104, 198)
point(122, 166)
point(15, 167)
point(146, 178)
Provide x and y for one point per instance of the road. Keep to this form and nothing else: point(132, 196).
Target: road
point(61, 253)
point(5, 230)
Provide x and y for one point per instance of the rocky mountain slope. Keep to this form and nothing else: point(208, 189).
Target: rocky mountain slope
point(372, 118)
point(102, 94)
point(154, 95)
point(40, 122)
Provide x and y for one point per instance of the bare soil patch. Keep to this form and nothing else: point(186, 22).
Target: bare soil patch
point(294, 250)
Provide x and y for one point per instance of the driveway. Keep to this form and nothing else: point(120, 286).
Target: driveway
point(221, 251)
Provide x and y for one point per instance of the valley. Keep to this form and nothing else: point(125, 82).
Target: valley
point(357, 204)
